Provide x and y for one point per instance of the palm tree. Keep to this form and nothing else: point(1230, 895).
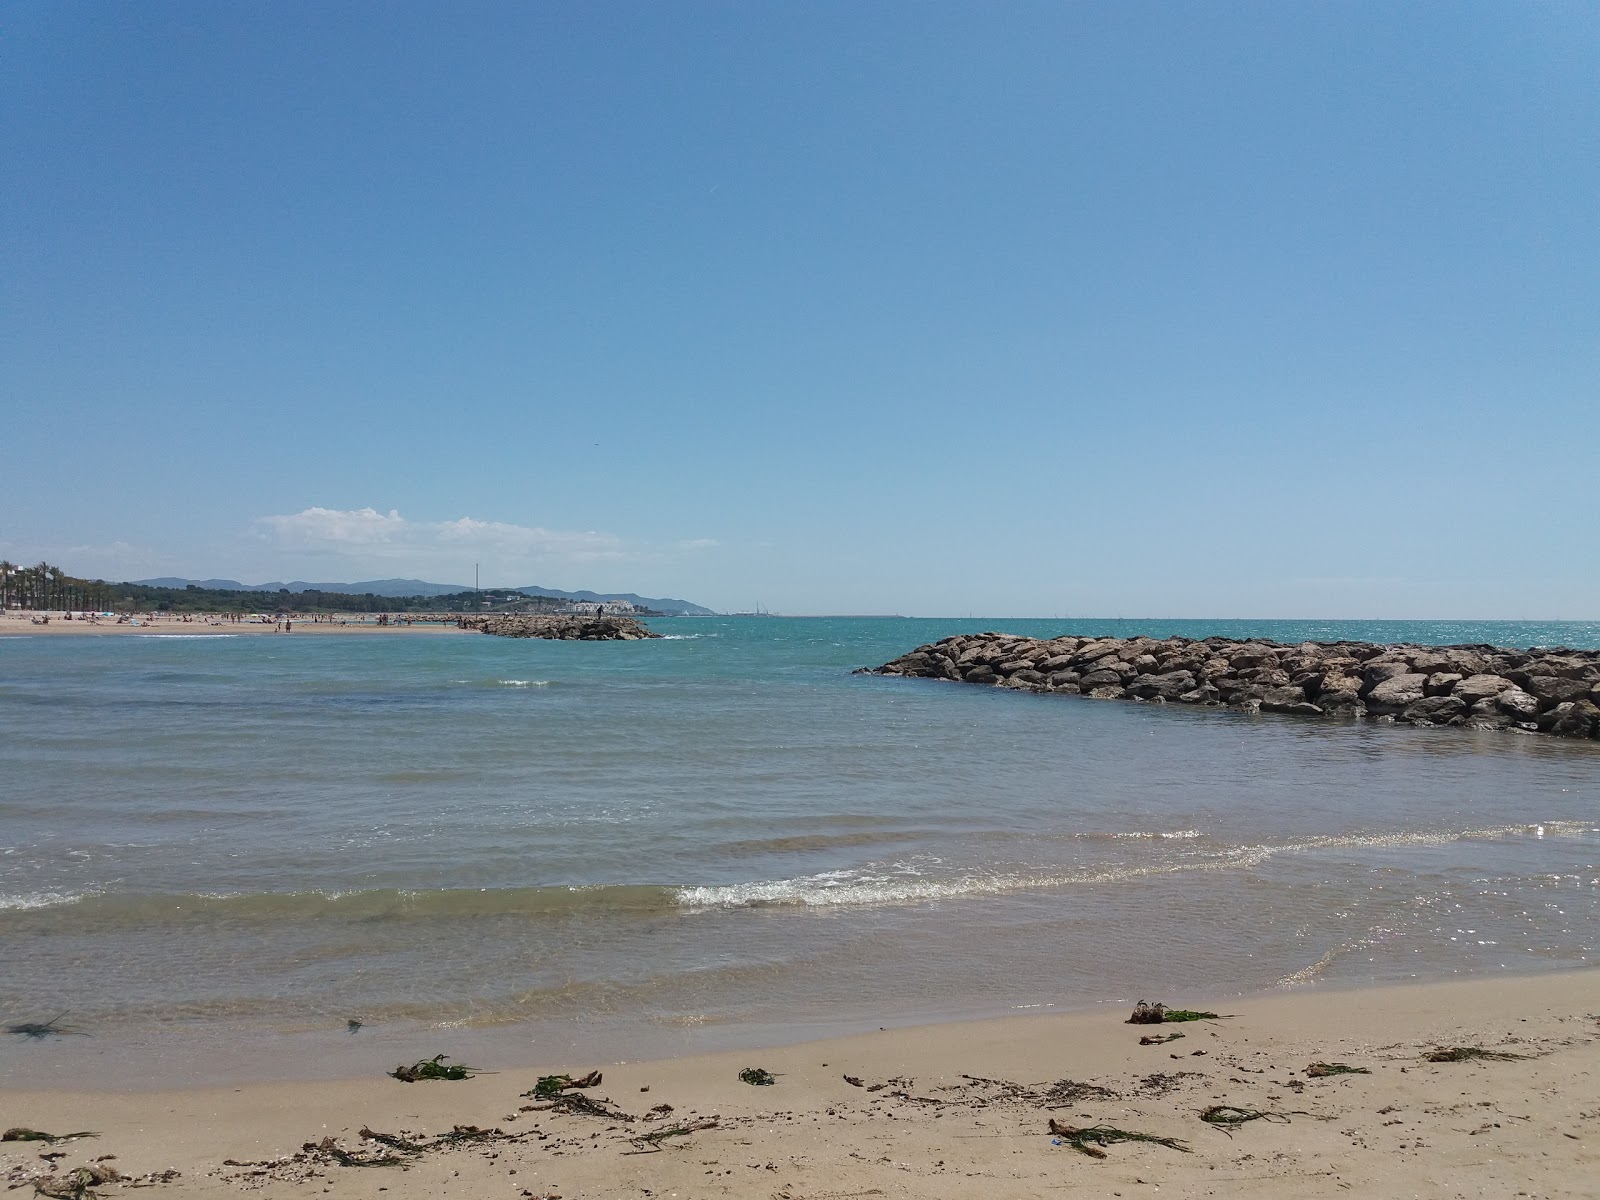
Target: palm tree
point(7, 567)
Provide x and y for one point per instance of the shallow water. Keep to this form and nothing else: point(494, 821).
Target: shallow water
point(726, 837)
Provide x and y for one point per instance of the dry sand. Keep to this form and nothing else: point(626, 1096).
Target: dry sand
point(945, 1111)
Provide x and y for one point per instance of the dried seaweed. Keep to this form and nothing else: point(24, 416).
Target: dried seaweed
point(75, 1184)
point(551, 1086)
point(577, 1102)
point(38, 1135)
point(1069, 1091)
point(1467, 1053)
point(1089, 1139)
point(329, 1148)
point(1320, 1070)
point(1160, 1041)
point(433, 1068)
point(404, 1145)
point(758, 1077)
point(650, 1143)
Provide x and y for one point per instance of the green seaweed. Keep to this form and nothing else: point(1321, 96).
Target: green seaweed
point(1230, 1116)
point(38, 1030)
point(433, 1068)
point(38, 1135)
point(758, 1077)
point(1189, 1014)
point(1089, 1139)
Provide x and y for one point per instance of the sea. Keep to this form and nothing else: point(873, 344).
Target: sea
point(229, 857)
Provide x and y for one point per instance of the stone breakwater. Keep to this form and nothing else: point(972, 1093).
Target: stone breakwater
point(1480, 687)
point(559, 628)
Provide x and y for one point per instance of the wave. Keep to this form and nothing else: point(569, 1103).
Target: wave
point(831, 889)
point(855, 887)
point(29, 901)
point(187, 637)
point(103, 911)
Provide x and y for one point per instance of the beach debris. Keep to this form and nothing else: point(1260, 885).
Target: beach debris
point(392, 1141)
point(329, 1148)
point(38, 1030)
point(650, 1143)
point(433, 1068)
point(758, 1077)
point(659, 1111)
point(1320, 1070)
point(1160, 1041)
point(577, 1102)
point(1089, 1139)
point(1228, 1117)
point(353, 1025)
point(38, 1135)
point(1467, 1053)
point(551, 1086)
point(468, 1133)
point(854, 1081)
point(76, 1183)
point(1069, 1091)
point(1160, 1084)
point(1156, 1014)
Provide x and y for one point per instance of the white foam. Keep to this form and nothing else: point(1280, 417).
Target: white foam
point(904, 886)
point(33, 900)
point(523, 682)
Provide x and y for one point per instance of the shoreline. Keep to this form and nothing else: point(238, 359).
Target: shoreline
point(12, 625)
point(961, 1106)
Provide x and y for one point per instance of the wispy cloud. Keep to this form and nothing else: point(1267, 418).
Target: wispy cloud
point(370, 535)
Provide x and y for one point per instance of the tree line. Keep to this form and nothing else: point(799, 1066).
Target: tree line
point(47, 587)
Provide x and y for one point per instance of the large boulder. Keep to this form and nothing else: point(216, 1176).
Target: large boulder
point(1517, 704)
point(1435, 710)
point(1442, 683)
point(1168, 686)
point(1481, 687)
point(1555, 689)
point(1396, 692)
point(1572, 718)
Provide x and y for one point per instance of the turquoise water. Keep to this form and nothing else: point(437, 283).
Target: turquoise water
point(722, 837)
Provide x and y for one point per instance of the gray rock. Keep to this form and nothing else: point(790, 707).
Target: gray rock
point(1435, 710)
point(1555, 689)
point(1283, 699)
point(1442, 683)
point(1396, 692)
point(1480, 687)
point(1516, 704)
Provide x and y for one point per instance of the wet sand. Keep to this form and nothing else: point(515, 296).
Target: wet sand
point(957, 1110)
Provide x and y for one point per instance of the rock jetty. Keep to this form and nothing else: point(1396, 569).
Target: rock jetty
point(559, 628)
point(1480, 687)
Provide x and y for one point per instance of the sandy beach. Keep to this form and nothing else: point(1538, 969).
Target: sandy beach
point(942, 1111)
point(17, 624)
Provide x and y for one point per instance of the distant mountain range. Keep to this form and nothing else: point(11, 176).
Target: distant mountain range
point(420, 587)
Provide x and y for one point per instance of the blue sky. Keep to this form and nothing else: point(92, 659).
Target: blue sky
point(1021, 309)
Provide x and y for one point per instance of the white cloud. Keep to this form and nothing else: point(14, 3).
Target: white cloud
point(367, 534)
